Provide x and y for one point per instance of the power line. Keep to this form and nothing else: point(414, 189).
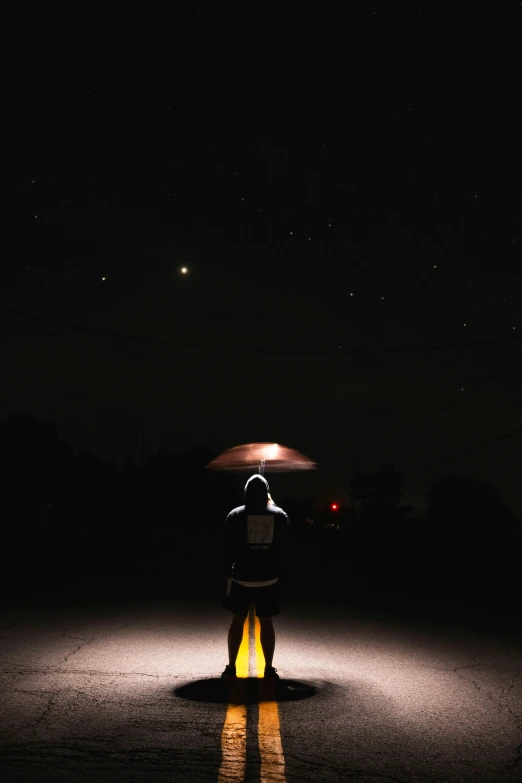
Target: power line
point(310, 403)
point(264, 351)
point(454, 406)
point(314, 403)
point(465, 453)
point(473, 388)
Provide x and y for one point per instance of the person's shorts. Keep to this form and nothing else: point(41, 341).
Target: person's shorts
point(265, 599)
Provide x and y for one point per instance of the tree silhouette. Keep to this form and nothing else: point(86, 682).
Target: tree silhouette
point(96, 484)
point(473, 540)
point(128, 495)
point(36, 467)
point(468, 509)
point(177, 489)
point(74, 520)
point(378, 494)
point(383, 544)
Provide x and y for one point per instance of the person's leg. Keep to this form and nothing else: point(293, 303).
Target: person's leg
point(235, 637)
point(267, 638)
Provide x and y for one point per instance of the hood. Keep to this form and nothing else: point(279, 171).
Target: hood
point(256, 493)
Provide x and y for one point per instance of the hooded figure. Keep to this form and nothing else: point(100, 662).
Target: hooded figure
point(253, 539)
point(252, 536)
point(256, 494)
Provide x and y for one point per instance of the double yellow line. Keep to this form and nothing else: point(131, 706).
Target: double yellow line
point(234, 735)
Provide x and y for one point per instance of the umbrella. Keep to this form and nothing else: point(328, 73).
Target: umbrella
point(273, 456)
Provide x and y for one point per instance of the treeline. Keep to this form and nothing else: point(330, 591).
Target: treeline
point(73, 524)
point(47, 485)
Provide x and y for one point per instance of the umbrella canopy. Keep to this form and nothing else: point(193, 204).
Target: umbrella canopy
point(258, 456)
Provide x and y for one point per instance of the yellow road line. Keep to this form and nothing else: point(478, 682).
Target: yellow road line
point(268, 730)
point(233, 745)
point(242, 656)
point(233, 737)
point(260, 658)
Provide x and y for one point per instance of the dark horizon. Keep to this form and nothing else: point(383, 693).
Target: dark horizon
point(297, 486)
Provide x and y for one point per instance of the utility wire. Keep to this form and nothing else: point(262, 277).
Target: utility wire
point(310, 403)
point(454, 406)
point(265, 351)
point(472, 389)
point(465, 453)
point(314, 403)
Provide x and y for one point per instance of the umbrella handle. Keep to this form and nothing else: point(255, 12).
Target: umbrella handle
point(262, 467)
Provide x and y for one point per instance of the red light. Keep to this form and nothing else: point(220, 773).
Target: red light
point(334, 506)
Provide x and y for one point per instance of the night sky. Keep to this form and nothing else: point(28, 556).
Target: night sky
point(343, 189)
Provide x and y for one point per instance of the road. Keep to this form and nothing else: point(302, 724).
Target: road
point(132, 692)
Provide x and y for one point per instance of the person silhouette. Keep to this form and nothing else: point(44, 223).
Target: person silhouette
point(254, 536)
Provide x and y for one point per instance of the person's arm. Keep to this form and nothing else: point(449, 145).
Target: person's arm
point(227, 548)
point(283, 548)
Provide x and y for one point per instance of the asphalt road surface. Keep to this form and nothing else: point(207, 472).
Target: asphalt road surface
point(132, 692)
